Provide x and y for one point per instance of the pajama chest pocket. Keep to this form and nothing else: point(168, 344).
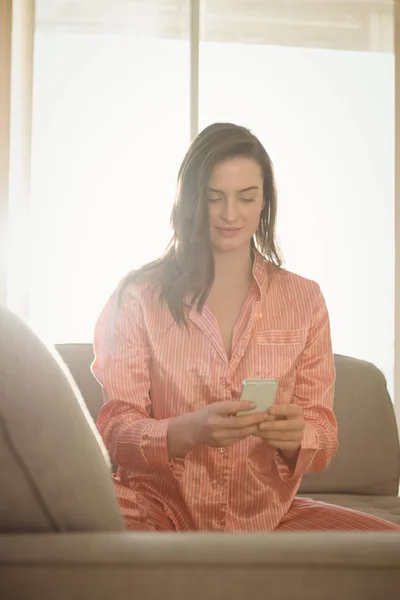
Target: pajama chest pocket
point(276, 353)
point(279, 337)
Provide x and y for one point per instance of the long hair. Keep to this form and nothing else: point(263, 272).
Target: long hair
point(186, 270)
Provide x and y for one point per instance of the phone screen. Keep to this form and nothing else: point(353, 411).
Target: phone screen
point(260, 391)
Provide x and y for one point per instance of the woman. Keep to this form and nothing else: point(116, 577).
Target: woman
point(179, 336)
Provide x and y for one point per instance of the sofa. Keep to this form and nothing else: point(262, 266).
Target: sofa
point(62, 536)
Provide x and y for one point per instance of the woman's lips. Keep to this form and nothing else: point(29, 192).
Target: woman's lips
point(228, 231)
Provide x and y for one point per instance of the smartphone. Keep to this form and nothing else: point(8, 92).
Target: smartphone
point(260, 391)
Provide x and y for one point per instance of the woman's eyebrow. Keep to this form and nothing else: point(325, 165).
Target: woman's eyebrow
point(248, 189)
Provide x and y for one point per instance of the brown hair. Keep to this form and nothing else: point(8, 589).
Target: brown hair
point(187, 266)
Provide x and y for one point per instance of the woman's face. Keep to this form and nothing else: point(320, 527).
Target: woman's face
point(235, 201)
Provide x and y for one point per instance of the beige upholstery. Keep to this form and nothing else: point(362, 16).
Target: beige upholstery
point(128, 566)
point(54, 470)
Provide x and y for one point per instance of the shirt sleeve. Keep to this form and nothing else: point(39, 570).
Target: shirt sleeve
point(132, 437)
point(314, 391)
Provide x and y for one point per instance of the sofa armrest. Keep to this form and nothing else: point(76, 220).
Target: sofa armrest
point(97, 566)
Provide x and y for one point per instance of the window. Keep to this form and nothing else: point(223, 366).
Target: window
point(111, 122)
point(110, 127)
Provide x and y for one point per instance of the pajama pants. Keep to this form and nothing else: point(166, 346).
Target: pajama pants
point(304, 515)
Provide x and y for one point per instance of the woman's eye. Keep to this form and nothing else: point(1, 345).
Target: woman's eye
point(213, 200)
point(247, 199)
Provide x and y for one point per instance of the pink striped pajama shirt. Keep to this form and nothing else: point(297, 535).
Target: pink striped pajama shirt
point(152, 370)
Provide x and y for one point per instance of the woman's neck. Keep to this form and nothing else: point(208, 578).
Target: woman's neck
point(233, 267)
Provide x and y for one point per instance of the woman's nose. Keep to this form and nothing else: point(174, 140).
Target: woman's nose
point(229, 212)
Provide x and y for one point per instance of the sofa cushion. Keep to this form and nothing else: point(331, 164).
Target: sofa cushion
point(368, 458)
point(78, 358)
point(201, 566)
point(385, 507)
point(54, 470)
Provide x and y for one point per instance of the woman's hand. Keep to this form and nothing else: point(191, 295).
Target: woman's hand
point(217, 424)
point(213, 425)
point(284, 429)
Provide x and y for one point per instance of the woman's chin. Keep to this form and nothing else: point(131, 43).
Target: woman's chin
point(231, 245)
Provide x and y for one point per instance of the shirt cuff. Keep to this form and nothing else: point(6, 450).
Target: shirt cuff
point(153, 445)
point(308, 449)
point(154, 448)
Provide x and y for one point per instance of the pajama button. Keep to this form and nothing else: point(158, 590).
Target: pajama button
point(220, 483)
